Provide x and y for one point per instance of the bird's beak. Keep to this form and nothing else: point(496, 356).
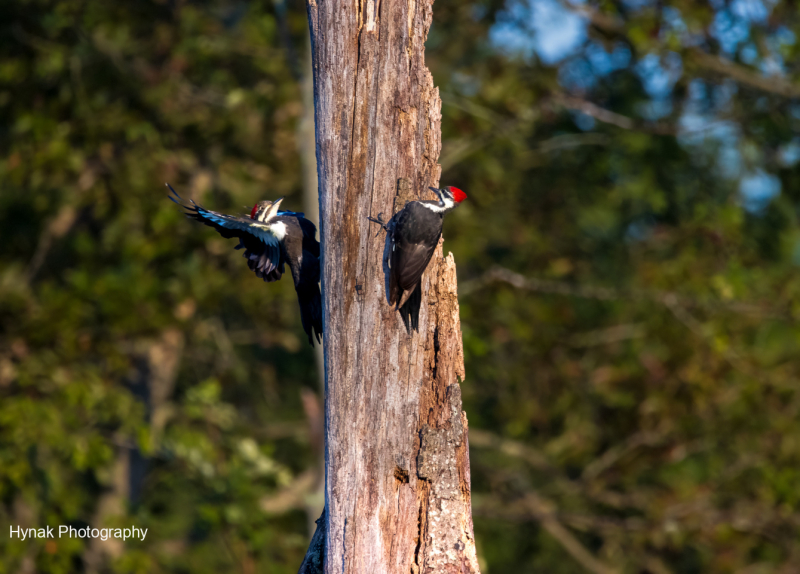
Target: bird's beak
point(437, 191)
point(273, 209)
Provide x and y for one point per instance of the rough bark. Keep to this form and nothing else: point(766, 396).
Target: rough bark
point(315, 501)
point(397, 459)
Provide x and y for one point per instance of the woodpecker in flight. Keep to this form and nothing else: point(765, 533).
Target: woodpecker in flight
point(412, 235)
point(271, 238)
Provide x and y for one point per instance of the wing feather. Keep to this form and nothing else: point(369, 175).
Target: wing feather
point(262, 248)
point(408, 263)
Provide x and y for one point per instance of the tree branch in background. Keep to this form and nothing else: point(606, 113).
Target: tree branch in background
point(483, 439)
point(773, 84)
point(668, 299)
point(533, 506)
point(293, 496)
point(613, 118)
point(582, 488)
point(513, 129)
point(676, 304)
point(58, 227)
point(615, 454)
point(607, 336)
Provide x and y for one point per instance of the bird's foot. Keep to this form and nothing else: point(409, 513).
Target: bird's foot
point(379, 220)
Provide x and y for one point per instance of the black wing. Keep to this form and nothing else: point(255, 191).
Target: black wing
point(310, 242)
point(413, 235)
point(409, 312)
point(262, 248)
point(308, 229)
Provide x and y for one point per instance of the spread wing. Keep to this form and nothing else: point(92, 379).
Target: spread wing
point(262, 248)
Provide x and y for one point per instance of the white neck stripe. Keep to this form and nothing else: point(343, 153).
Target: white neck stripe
point(444, 204)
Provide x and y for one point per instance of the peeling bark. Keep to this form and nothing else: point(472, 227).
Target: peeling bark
point(397, 459)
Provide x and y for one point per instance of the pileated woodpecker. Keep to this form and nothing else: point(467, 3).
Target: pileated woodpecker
point(271, 238)
point(412, 235)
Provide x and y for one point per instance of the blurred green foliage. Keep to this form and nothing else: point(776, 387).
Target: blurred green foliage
point(650, 370)
point(630, 363)
point(104, 283)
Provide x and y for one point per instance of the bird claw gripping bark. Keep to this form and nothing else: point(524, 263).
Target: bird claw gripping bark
point(379, 220)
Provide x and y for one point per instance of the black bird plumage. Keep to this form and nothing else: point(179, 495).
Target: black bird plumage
point(280, 238)
point(412, 235)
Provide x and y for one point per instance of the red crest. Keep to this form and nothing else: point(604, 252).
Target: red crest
point(458, 195)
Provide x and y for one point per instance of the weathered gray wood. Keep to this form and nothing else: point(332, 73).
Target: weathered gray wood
point(397, 464)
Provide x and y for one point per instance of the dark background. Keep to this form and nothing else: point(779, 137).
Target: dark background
point(627, 260)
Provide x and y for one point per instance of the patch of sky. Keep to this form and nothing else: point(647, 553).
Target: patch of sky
point(722, 95)
point(581, 73)
point(673, 20)
point(658, 75)
point(705, 133)
point(699, 115)
point(784, 36)
point(691, 128)
point(637, 4)
point(789, 153)
point(584, 122)
point(729, 31)
point(772, 65)
point(754, 11)
point(757, 189)
point(621, 56)
point(653, 110)
point(576, 75)
point(602, 62)
point(696, 91)
point(729, 161)
point(748, 53)
point(544, 28)
point(777, 42)
point(674, 25)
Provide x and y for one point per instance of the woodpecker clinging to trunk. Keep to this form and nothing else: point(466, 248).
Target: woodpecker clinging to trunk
point(271, 238)
point(412, 235)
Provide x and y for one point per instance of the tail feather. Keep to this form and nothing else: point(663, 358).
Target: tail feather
point(409, 311)
point(310, 302)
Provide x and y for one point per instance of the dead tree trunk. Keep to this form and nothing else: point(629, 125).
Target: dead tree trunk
point(397, 460)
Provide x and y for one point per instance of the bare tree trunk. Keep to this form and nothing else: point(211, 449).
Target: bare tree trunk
point(397, 459)
point(315, 500)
